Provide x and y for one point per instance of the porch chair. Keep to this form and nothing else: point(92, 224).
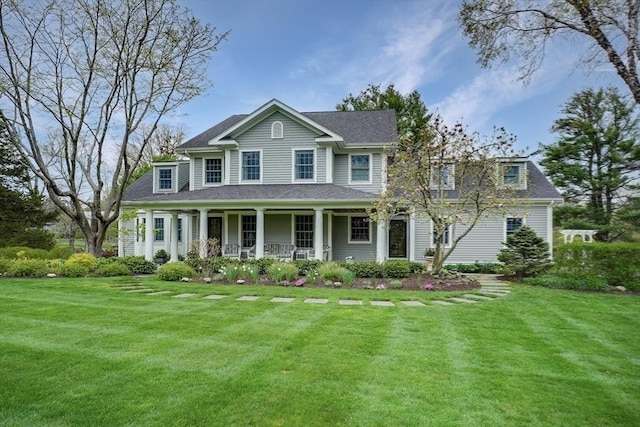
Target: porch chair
point(285, 252)
point(231, 250)
point(271, 250)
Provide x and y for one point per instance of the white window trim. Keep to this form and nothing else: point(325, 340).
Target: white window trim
point(504, 223)
point(522, 175)
point(204, 172)
point(433, 245)
point(273, 128)
point(293, 166)
point(250, 181)
point(370, 168)
point(357, 242)
point(156, 178)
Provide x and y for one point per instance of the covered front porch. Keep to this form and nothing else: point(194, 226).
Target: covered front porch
point(307, 233)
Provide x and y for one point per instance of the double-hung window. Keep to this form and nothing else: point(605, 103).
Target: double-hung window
point(303, 165)
point(441, 176)
point(359, 229)
point(304, 231)
point(511, 175)
point(360, 167)
point(251, 166)
point(444, 237)
point(164, 179)
point(512, 225)
point(213, 171)
point(158, 228)
point(179, 229)
point(248, 231)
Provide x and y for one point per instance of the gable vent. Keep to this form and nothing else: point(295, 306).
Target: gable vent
point(277, 130)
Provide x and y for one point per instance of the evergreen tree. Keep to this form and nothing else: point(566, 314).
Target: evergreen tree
point(22, 214)
point(526, 254)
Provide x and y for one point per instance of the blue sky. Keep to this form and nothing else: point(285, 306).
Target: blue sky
point(310, 54)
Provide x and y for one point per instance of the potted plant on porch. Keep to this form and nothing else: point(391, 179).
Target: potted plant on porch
point(429, 253)
point(161, 257)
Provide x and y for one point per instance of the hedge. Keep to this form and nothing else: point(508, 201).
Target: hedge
point(615, 263)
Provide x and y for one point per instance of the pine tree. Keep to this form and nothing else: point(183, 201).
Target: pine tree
point(526, 254)
point(22, 212)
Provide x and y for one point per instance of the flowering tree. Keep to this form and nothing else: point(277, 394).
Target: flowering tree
point(451, 178)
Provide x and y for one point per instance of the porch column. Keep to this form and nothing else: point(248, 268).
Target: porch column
point(318, 234)
point(174, 237)
point(203, 232)
point(259, 233)
point(330, 235)
point(381, 240)
point(412, 237)
point(148, 235)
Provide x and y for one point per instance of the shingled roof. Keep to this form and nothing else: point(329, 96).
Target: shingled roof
point(376, 127)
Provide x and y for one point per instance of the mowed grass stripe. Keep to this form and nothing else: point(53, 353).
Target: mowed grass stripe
point(89, 354)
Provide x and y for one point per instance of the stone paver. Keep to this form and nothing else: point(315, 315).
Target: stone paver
point(248, 298)
point(186, 295)
point(215, 296)
point(463, 300)
point(282, 299)
point(139, 290)
point(478, 297)
point(128, 287)
point(413, 303)
point(382, 303)
point(440, 302)
point(316, 300)
point(492, 294)
point(350, 302)
point(160, 293)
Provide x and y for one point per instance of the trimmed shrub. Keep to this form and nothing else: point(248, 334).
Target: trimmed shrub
point(280, 271)
point(365, 268)
point(23, 252)
point(60, 252)
point(138, 264)
point(484, 268)
point(306, 265)
point(112, 269)
point(417, 267)
point(84, 259)
point(615, 263)
point(175, 271)
point(396, 269)
point(585, 283)
point(74, 270)
point(28, 268)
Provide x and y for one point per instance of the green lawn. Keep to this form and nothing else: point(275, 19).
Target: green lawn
point(79, 352)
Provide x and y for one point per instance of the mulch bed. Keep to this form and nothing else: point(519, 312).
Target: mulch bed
point(414, 282)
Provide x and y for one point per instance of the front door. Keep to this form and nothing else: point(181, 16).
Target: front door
point(215, 228)
point(397, 238)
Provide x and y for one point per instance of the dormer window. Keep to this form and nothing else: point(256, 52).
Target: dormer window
point(511, 175)
point(164, 179)
point(277, 130)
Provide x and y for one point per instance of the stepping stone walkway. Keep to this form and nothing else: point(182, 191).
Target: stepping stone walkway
point(382, 303)
point(491, 288)
point(279, 299)
point(215, 296)
point(184, 295)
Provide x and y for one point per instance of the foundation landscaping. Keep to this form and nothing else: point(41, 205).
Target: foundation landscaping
point(119, 341)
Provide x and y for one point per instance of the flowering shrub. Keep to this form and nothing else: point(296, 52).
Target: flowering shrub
point(427, 287)
point(299, 282)
point(285, 283)
point(231, 272)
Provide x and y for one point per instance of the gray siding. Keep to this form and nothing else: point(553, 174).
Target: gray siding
point(483, 243)
point(277, 227)
point(183, 174)
point(198, 171)
point(156, 180)
point(341, 173)
point(277, 154)
point(232, 225)
point(342, 249)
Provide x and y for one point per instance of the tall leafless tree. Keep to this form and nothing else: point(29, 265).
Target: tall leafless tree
point(86, 80)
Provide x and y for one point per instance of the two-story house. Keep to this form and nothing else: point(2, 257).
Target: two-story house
point(277, 176)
